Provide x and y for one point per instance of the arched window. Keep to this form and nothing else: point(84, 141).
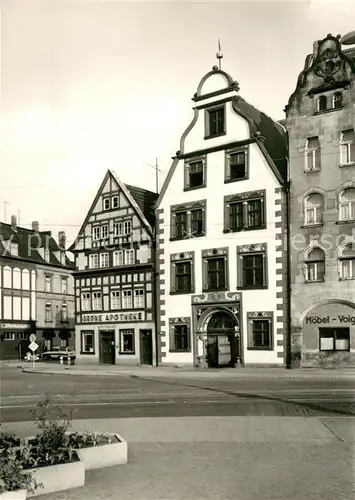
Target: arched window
point(16, 278)
point(313, 212)
point(33, 280)
point(7, 277)
point(312, 154)
point(347, 204)
point(315, 265)
point(322, 103)
point(347, 262)
point(25, 279)
point(337, 100)
point(347, 147)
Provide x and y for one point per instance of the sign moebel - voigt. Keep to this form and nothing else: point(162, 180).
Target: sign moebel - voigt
point(115, 317)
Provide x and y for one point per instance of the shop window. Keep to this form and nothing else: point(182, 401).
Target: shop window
point(313, 211)
point(179, 329)
point(215, 269)
point(252, 266)
point(312, 155)
point(215, 122)
point(347, 147)
point(347, 205)
point(182, 272)
point(315, 265)
point(87, 342)
point(9, 336)
point(260, 330)
point(334, 339)
point(127, 342)
point(236, 164)
point(347, 262)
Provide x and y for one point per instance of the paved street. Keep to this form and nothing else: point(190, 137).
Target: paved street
point(96, 397)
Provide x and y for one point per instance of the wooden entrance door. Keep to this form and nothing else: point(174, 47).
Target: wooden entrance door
point(146, 347)
point(107, 347)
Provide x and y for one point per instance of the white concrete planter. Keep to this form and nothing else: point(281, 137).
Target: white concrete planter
point(59, 477)
point(106, 455)
point(14, 495)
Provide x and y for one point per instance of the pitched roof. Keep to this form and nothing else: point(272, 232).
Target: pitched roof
point(145, 200)
point(28, 242)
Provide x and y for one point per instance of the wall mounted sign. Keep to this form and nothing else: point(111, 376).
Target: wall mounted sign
point(12, 326)
point(343, 319)
point(116, 317)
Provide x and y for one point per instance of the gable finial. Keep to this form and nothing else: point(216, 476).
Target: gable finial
point(219, 55)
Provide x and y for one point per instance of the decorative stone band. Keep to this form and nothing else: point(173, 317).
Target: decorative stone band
point(182, 256)
point(214, 297)
point(214, 252)
point(245, 196)
point(258, 247)
point(176, 321)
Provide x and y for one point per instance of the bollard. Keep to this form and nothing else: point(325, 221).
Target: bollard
point(61, 360)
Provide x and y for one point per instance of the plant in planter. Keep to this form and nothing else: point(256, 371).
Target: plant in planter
point(8, 440)
point(15, 482)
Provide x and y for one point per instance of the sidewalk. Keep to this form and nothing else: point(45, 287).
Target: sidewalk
point(222, 458)
point(187, 372)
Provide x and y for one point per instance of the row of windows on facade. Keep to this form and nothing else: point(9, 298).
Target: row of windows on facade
point(126, 342)
point(315, 264)
point(49, 317)
point(101, 232)
point(119, 258)
point(313, 151)
point(18, 308)
point(314, 207)
point(327, 103)
point(119, 278)
point(119, 299)
point(239, 215)
point(18, 279)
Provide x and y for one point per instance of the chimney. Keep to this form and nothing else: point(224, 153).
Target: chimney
point(13, 222)
point(62, 240)
point(35, 226)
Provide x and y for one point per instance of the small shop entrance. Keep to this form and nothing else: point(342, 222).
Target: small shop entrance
point(107, 347)
point(221, 351)
point(146, 347)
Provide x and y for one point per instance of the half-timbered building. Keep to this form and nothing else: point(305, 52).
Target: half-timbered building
point(114, 281)
point(221, 225)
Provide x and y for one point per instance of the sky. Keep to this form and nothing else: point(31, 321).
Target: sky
point(88, 86)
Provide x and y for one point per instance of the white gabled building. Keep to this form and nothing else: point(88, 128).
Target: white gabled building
point(221, 231)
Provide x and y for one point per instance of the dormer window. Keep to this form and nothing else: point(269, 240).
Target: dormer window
point(322, 103)
point(107, 204)
point(46, 255)
point(215, 121)
point(195, 174)
point(13, 248)
point(337, 100)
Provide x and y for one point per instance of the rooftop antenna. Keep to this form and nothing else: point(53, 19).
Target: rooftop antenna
point(219, 55)
point(157, 170)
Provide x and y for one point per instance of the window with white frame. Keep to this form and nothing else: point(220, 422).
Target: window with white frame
point(115, 299)
point(314, 204)
point(85, 301)
point(334, 339)
point(127, 341)
point(123, 228)
point(14, 248)
point(96, 301)
point(118, 258)
point(139, 298)
point(93, 261)
point(48, 283)
point(96, 232)
point(126, 299)
point(104, 231)
point(129, 257)
point(115, 201)
point(127, 227)
point(104, 261)
point(46, 255)
point(347, 262)
point(64, 313)
point(87, 342)
point(312, 155)
point(48, 312)
point(347, 204)
point(106, 203)
point(347, 147)
point(315, 265)
point(64, 286)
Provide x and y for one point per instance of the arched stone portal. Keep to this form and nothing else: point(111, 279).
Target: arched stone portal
point(220, 327)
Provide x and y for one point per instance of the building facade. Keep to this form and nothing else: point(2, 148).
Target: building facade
point(114, 281)
point(26, 256)
point(221, 231)
point(320, 120)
